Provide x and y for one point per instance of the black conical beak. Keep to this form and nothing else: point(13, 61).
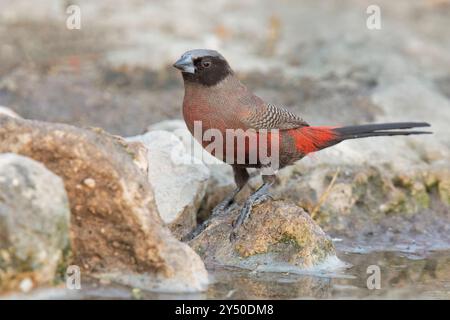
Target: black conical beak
point(185, 64)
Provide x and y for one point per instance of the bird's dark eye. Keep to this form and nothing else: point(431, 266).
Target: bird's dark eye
point(206, 64)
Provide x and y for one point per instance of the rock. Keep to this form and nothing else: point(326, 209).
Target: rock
point(34, 223)
point(278, 236)
point(179, 183)
point(8, 112)
point(139, 152)
point(168, 125)
point(193, 148)
point(221, 181)
point(375, 205)
point(116, 231)
point(220, 184)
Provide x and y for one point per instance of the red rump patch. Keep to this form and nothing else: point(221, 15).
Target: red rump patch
point(310, 139)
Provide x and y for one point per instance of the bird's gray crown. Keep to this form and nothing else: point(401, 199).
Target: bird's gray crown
point(199, 53)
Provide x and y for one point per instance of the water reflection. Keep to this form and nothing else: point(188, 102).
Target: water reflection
point(402, 277)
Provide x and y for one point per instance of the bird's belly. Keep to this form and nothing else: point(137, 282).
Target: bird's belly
point(236, 146)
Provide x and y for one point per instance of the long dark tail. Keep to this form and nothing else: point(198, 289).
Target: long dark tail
point(310, 139)
point(381, 129)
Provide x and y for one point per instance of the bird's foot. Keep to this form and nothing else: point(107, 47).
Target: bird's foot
point(225, 205)
point(261, 195)
point(221, 209)
point(196, 231)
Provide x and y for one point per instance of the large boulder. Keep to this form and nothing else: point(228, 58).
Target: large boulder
point(115, 227)
point(278, 236)
point(34, 223)
point(179, 183)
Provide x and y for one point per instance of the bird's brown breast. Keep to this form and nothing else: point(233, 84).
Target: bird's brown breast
point(217, 107)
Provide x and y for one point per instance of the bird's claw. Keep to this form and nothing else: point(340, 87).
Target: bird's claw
point(233, 235)
point(221, 209)
point(243, 215)
point(258, 197)
point(263, 198)
point(225, 205)
point(196, 231)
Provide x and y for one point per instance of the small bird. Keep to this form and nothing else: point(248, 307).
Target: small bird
point(216, 98)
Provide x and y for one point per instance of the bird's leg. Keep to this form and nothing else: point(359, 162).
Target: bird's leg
point(260, 195)
point(240, 177)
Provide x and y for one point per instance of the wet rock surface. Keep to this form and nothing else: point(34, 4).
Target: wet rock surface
point(116, 231)
point(34, 223)
point(278, 237)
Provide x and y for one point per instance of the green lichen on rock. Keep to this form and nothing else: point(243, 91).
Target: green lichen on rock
point(290, 240)
point(63, 263)
point(381, 192)
point(397, 203)
point(438, 179)
point(444, 190)
point(200, 251)
point(420, 195)
point(375, 193)
point(321, 253)
point(416, 191)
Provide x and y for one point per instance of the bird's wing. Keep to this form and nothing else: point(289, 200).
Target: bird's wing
point(269, 116)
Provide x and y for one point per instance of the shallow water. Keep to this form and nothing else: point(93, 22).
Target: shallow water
point(402, 275)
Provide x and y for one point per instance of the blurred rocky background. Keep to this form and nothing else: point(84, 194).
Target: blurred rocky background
point(316, 58)
point(382, 201)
